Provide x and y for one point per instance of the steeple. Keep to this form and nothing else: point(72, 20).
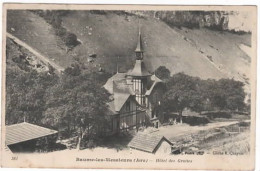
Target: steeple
point(139, 73)
point(139, 48)
point(117, 64)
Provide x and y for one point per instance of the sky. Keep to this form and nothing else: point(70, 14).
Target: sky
point(242, 20)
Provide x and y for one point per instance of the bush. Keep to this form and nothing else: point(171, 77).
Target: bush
point(60, 32)
point(245, 124)
point(193, 120)
point(87, 143)
point(70, 39)
point(54, 18)
point(214, 115)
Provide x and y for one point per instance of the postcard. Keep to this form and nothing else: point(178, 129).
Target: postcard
point(129, 86)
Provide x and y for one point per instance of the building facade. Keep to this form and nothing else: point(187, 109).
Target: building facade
point(135, 96)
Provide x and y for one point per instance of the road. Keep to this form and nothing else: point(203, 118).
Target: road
point(173, 131)
point(41, 57)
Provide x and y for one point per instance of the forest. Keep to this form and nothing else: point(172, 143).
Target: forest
point(75, 102)
point(187, 92)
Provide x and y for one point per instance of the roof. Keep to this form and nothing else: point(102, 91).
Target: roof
point(122, 87)
point(111, 108)
point(109, 84)
point(155, 80)
point(121, 91)
point(119, 100)
point(147, 142)
point(139, 47)
point(139, 69)
point(22, 132)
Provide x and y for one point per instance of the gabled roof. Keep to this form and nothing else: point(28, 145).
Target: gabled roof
point(122, 87)
point(120, 91)
point(119, 100)
point(155, 81)
point(139, 69)
point(24, 132)
point(109, 84)
point(147, 142)
point(155, 78)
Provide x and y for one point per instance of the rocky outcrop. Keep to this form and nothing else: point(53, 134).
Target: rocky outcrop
point(216, 20)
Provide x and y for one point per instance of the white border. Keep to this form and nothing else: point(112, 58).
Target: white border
point(155, 2)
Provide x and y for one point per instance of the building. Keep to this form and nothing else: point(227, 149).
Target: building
point(26, 137)
point(135, 96)
point(149, 143)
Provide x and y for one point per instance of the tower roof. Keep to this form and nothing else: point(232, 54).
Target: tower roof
point(139, 47)
point(139, 69)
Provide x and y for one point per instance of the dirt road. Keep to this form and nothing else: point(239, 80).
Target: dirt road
point(44, 59)
point(173, 131)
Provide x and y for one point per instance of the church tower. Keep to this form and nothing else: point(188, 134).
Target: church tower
point(139, 73)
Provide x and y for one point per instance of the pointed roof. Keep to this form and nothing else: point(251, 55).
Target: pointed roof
point(139, 47)
point(139, 69)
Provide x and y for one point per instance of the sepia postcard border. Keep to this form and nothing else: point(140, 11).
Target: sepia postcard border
point(211, 162)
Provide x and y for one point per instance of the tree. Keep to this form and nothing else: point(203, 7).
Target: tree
point(180, 92)
point(77, 103)
point(25, 95)
point(233, 94)
point(198, 100)
point(225, 94)
point(163, 73)
point(70, 40)
point(73, 70)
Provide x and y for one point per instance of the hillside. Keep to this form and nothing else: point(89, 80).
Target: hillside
point(198, 52)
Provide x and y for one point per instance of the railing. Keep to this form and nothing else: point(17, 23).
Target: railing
point(132, 120)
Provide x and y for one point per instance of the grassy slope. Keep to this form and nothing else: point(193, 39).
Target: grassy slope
point(12, 50)
point(112, 35)
point(34, 31)
point(179, 50)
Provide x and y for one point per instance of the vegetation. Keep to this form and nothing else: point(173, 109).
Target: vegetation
point(163, 73)
point(180, 92)
point(187, 92)
point(55, 19)
point(25, 95)
point(83, 23)
point(73, 103)
point(77, 104)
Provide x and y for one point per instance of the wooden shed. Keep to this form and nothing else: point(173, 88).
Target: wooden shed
point(24, 137)
point(151, 143)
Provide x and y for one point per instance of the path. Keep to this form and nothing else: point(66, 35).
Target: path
point(44, 59)
point(173, 131)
